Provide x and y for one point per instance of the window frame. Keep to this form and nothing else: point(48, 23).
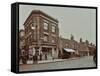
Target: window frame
point(45, 25)
point(53, 28)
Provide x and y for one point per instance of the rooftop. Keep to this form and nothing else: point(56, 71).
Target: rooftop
point(40, 12)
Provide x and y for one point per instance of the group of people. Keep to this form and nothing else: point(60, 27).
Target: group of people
point(31, 54)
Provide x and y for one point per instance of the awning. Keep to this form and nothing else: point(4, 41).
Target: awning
point(69, 50)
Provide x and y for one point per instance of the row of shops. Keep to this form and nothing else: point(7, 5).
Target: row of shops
point(45, 52)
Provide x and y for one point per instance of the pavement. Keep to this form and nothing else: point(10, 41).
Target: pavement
point(49, 61)
point(81, 62)
point(56, 60)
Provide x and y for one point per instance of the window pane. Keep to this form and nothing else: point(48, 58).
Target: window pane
point(45, 38)
point(45, 26)
point(53, 29)
point(32, 26)
point(53, 41)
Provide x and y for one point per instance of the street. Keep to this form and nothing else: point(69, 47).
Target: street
point(81, 62)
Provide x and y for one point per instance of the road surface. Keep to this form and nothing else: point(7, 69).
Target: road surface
point(81, 62)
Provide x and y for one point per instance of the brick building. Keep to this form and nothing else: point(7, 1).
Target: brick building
point(68, 44)
point(81, 48)
point(21, 42)
point(42, 34)
point(21, 39)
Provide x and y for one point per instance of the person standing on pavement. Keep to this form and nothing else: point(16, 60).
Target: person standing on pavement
point(36, 56)
point(30, 53)
point(45, 56)
point(24, 57)
point(53, 55)
point(34, 52)
point(40, 53)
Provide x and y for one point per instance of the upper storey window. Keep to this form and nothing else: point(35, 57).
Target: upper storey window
point(46, 25)
point(53, 28)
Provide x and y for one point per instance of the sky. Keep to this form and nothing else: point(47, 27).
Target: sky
point(80, 22)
